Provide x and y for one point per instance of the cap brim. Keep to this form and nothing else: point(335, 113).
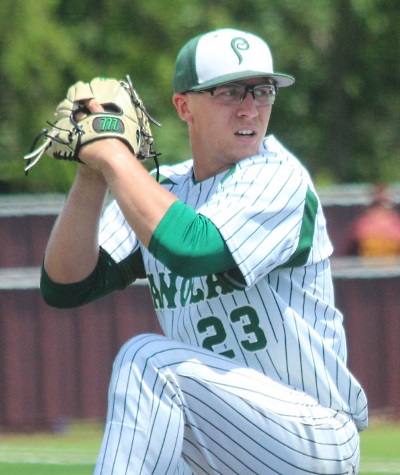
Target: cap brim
point(282, 80)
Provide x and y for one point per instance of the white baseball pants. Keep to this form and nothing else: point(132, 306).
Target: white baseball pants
point(176, 409)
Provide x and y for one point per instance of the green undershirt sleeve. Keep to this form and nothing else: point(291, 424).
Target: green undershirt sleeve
point(186, 242)
point(105, 278)
point(189, 244)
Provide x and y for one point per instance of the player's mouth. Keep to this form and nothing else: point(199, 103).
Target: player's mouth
point(245, 133)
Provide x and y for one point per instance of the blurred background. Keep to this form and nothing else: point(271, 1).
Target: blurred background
point(341, 118)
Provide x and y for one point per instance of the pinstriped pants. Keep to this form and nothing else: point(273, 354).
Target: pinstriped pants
point(176, 409)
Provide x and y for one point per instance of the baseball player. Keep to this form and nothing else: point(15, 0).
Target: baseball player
point(250, 376)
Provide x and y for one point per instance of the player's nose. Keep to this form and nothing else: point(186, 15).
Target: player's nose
point(248, 107)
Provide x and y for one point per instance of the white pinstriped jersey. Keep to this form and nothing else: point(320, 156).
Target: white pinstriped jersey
point(283, 322)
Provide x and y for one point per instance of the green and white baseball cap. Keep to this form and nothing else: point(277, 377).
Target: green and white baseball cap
point(223, 56)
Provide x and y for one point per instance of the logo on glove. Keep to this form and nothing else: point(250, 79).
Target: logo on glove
point(108, 124)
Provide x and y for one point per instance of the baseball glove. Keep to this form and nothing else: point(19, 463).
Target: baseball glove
point(125, 118)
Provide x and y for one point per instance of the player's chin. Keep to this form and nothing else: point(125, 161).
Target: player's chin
point(248, 145)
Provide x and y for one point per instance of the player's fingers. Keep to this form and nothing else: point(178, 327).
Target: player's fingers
point(93, 106)
point(90, 106)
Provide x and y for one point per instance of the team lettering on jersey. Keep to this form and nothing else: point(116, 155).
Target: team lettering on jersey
point(174, 291)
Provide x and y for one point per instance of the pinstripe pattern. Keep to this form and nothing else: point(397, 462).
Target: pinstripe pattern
point(223, 418)
point(283, 324)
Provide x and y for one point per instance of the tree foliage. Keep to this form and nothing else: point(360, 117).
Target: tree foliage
point(341, 117)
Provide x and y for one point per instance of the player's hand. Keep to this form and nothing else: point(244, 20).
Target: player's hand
point(80, 120)
point(97, 154)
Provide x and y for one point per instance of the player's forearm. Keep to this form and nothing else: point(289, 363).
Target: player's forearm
point(141, 199)
point(72, 250)
point(166, 226)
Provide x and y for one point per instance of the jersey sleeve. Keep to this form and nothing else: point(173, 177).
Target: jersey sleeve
point(269, 216)
point(189, 244)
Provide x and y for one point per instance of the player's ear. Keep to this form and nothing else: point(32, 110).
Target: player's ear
point(181, 103)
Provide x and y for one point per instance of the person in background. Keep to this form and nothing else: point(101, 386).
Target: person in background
point(376, 232)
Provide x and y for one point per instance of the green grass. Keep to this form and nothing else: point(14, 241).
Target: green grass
point(72, 452)
point(380, 445)
point(41, 469)
point(75, 451)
